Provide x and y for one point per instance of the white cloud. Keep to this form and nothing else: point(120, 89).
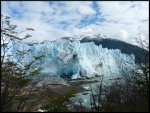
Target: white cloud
point(38, 7)
point(86, 10)
point(120, 19)
point(124, 11)
point(14, 4)
point(123, 16)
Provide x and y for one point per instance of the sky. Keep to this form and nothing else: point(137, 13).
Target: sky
point(52, 20)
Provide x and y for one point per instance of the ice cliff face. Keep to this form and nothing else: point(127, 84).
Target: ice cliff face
point(70, 58)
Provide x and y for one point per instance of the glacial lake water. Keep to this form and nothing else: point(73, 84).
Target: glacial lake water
point(84, 98)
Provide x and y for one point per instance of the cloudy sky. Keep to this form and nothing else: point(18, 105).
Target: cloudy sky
point(53, 20)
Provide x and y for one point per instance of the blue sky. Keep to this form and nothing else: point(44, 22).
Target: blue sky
point(53, 20)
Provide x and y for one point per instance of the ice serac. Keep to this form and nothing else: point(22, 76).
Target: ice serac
point(70, 58)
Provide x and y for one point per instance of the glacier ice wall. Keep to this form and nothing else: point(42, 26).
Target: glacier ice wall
point(74, 59)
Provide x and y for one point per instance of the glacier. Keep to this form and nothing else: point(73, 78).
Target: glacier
point(71, 58)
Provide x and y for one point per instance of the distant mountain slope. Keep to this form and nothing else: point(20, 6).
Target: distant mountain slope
point(141, 54)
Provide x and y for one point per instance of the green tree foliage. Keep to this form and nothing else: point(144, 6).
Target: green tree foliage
point(58, 102)
point(15, 76)
point(124, 97)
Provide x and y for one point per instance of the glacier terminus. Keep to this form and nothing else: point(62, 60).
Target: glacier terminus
point(68, 57)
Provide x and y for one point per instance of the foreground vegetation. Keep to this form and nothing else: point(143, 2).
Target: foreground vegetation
point(17, 96)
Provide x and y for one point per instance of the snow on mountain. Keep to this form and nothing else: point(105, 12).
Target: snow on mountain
point(68, 57)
